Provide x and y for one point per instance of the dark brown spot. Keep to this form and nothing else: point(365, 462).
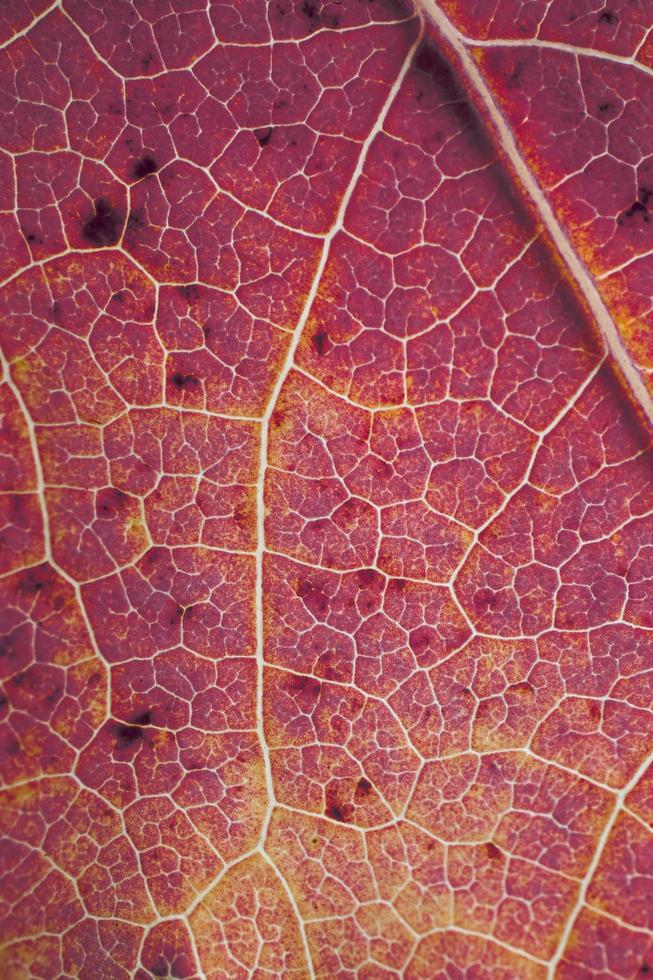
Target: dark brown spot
point(309, 9)
point(607, 17)
point(636, 208)
point(128, 735)
point(144, 167)
point(363, 790)
point(320, 341)
point(176, 616)
point(35, 579)
point(336, 812)
point(263, 136)
point(302, 684)
point(104, 226)
point(190, 291)
point(325, 667)
point(180, 380)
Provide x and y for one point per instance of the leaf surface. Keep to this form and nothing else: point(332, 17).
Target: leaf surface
point(327, 494)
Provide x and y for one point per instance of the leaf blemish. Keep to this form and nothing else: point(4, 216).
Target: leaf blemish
point(263, 136)
point(180, 380)
point(144, 167)
point(104, 226)
point(128, 735)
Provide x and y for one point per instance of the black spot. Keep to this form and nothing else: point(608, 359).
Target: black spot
point(176, 616)
point(35, 579)
point(320, 341)
point(604, 106)
point(263, 136)
point(142, 719)
point(145, 166)
point(180, 380)
point(301, 684)
point(336, 812)
point(128, 735)
point(104, 226)
point(637, 208)
point(309, 9)
point(363, 788)
point(644, 968)
point(607, 17)
point(190, 291)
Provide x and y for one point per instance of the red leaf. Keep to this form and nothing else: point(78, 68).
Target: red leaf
point(326, 489)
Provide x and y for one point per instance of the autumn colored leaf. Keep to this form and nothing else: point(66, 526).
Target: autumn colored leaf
point(326, 562)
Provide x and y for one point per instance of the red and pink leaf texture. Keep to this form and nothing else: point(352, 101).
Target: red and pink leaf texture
point(327, 490)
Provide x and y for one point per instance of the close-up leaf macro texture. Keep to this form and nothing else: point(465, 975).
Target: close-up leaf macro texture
point(326, 537)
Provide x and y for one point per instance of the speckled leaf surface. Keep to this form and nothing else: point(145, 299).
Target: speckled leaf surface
point(326, 550)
